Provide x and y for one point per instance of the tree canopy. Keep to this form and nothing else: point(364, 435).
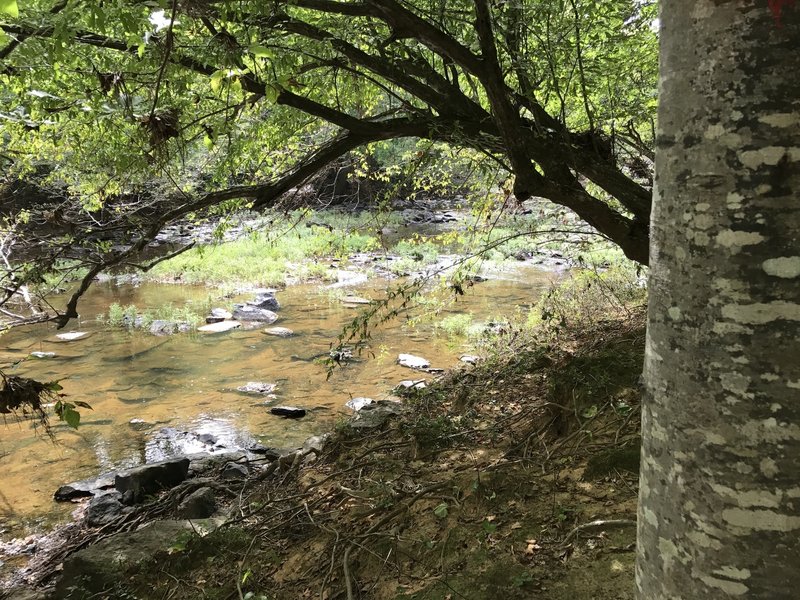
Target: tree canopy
point(245, 100)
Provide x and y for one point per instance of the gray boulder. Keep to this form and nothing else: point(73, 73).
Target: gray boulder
point(104, 509)
point(203, 462)
point(246, 312)
point(266, 452)
point(138, 482)
point(200, 504)
point(265, 299)
point(376, 414)
point(234, 471)
point(100, 566)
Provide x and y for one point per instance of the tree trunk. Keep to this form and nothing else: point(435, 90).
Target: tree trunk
point(719, 506)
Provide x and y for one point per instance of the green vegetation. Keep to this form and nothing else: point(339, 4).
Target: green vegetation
point(187, 115)
point(131, 317)
point(588, 295)
point(457, 325)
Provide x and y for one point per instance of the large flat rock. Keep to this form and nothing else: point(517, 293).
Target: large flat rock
point(134, 484)
point(99, 566)
point(220, 327)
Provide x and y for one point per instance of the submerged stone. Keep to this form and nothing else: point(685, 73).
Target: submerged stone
point(279, 331)
point(257, 388)
point(72, 336)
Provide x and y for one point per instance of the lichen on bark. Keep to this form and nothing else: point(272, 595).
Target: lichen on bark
point(719, 508)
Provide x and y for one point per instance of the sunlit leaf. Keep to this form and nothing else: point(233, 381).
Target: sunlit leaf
point(71, 417)
point(9, 7)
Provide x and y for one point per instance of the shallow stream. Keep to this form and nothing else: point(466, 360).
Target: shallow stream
point(156, 396)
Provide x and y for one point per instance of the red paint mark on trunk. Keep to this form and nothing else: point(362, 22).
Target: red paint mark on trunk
point(776, 6)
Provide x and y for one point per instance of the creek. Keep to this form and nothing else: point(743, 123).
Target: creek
point(155, 397)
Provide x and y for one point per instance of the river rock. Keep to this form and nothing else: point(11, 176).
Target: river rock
point(265, 299)
point(357, 404)
point(470, 359)
point(316, 443)
point(203, 462)
point(161, 327)
point(84, 488)
point(283, 332)
point(42, 355)
point(288, 412)
point(72, 336)
point(207, 438)
point(104, 508)
point(412, 384)
point(200, 504)
point(266, 452)
point(356, 300)
point(246, 312)
point(140, 425)
point(134, 484)
point(257, 388)
point(218, 315)
point(376, 414)
point(413, 362)
point(220, 327)
point(234, 471)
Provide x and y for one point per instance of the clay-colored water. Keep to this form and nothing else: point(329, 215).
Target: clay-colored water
point(186, 383)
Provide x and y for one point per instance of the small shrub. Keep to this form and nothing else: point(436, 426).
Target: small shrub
point(589, 295)
point(457, 325)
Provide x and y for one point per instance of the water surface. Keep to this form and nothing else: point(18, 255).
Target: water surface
point(146, 390)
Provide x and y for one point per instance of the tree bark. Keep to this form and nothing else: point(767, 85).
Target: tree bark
point(719, 505)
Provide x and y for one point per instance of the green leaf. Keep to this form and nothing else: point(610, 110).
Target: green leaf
point(260, 51)
point(216, 80)
point(489, 527)
point(53, 386)
point(4, 39)
point(271, 92)
point(83, 404)
point(441, 510)
point(590, 412)
point(71, 417)
point(9, 7)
